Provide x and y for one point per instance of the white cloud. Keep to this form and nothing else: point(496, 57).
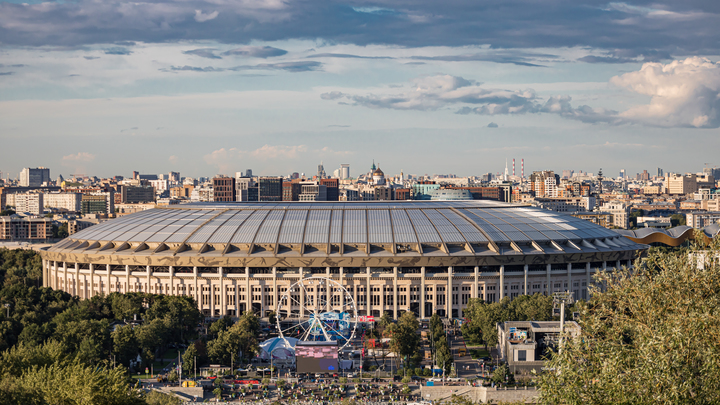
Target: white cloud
point(174, 159)
point(200, 17)
point(683, 93)
point(436, 92)
point(79, 157)
point(329, 151)
point(277, 152)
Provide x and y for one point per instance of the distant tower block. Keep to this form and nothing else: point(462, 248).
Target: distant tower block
point(513, 167)
point(522, 168)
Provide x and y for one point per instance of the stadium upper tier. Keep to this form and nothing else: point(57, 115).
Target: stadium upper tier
point(344, 234)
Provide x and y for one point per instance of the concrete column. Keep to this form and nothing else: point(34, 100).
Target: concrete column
point(549, 285)
point(301, 291)
point(449, 295)
point(502, 282)
point(248, 296)
point(525, 282)
point(223, 292)
point(107, 274)
point(395, 293)
point(171, 271)
point(342, 294)
point(236, 287)
point(587, 279)
point(92, 280)
point(147, 278)
point(127, 278)
point(569, 274)
point(368, 292)
point(44, 273)
point(76, 287)
point(198, 295)
point(211, 286)
point(75, 291)
point(275, 290)
point(328, 291)
point(422, 292)
point(476, 292)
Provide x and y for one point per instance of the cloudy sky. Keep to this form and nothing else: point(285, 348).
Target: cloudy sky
point(217, 86)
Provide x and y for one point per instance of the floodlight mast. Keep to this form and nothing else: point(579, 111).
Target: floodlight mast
point(561, 298)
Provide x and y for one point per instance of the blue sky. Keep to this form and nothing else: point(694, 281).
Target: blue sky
point(218, 86)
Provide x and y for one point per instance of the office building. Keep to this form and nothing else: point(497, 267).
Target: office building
point(98, 203)
point(680, 184)
point(291, 190)
point(270, 189)
point(332, 186)
point(312, 191)
point(34, 177)
point(223, 188)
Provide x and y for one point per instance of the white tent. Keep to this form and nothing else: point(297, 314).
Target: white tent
point(280, 349)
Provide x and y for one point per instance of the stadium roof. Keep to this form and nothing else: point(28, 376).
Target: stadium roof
point(353, 229)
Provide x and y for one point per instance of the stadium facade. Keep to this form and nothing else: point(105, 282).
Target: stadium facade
point(425, 257)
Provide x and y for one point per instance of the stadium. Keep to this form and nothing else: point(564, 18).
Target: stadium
point(425, 257)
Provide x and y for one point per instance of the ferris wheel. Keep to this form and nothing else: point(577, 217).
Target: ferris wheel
point(317, 309)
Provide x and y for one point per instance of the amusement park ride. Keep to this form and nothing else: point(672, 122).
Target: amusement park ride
point(317, 309)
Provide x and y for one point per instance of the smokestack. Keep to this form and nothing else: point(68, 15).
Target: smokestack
point(522, 168)
point(513, 167)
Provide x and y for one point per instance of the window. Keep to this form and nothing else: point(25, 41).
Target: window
point(522, 355)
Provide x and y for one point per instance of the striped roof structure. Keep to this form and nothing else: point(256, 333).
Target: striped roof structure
point(342, 234)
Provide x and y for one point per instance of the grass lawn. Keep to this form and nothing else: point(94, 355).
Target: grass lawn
point(479, 353)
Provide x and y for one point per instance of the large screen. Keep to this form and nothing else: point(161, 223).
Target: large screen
point(316, 357)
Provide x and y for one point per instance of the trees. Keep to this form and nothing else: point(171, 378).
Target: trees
point(385, 320)
point(483, 317)
point(125, 345)
point(404, 340)
point(649, 337)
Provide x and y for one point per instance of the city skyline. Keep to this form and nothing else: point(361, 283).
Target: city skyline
point(210, 87)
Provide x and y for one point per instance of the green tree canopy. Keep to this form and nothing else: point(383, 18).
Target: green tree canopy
point(650, 337)
point(483, 317)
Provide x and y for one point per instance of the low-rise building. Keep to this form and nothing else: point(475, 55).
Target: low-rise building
point(565, 204)
point(17, 228)
point(620, 212)
point(524, 344)
point(702, 219)
point(604, 219)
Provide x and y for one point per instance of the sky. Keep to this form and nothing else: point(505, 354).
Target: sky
point(205, 87)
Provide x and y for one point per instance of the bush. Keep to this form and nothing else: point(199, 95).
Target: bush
point(427, 372)
point(418, 371)
point(343, 380)
point(265, 381)
point(406, 379)
point(372, 368)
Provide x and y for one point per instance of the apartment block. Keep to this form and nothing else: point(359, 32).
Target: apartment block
point(223, 188)
point(30, 202)
point(63, 201)
point(25, 228)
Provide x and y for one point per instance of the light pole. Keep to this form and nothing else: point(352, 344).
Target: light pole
point(271, 361)
point(7, 311)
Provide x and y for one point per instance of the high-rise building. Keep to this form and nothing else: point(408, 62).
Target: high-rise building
point(174, 176)
point(544, 183)
point(248, 173)
point(223, 188)
point(622, 173)
point(344, 171)
point(679, 184)
point(660, 172)
point(34, 177)
point(270, 189)
point(321, 171)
